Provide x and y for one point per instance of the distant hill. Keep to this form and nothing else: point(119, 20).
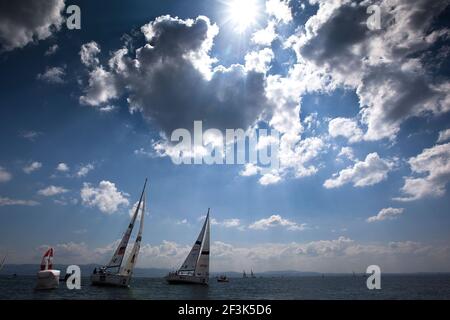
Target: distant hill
point(86, 270)
point(32, 269)
point(287, 273)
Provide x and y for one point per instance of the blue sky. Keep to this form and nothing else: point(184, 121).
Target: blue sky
point(364, 116)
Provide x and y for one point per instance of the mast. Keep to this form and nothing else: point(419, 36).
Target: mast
point(116, 260)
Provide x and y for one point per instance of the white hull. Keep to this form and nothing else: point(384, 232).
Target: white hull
point(47, 279)
point(174, 278)
point(110, 279)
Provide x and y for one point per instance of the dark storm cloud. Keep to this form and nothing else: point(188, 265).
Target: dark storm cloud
point(170, 80)
point(24, 21)
point(333, 43)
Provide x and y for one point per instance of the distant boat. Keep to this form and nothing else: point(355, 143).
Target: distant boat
point(47, 277)
point(113, 274)
point(252, 275)
point(244, 275)
point(195, 269)
point(222, 278)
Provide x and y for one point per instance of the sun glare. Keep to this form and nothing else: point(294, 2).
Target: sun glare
point(242, 13)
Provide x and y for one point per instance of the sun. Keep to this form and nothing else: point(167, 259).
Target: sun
point(242, 14)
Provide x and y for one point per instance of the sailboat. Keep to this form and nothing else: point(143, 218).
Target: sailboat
point(244, 275)
point(195, 268)
point(3, 263)
point(47, 277)
point(252, 275)
point(113, 274)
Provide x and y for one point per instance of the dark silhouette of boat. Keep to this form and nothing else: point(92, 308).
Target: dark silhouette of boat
point(223, 278)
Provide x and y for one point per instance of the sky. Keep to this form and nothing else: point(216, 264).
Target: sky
point(361, 107)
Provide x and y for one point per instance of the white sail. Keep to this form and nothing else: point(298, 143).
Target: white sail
point(116, 260)
point(2, 263)
point(191, 260)
point(202, 268)
point(132, 259)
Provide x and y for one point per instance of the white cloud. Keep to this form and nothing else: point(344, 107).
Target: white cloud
point(52, 191)
point(5, 176)
point(30, 135)
point(105, 197)
point(250, 169)
point(259, 61)
point(269, 178)
point(363, 173)
point(345, 127)
point(311, 122)
point(347, 152)
point(51, 50)
point(298, 156)
point(386, 214)
point(16, 202)
point(227, 223)
point(32, 167)
point(332, 255)
point(80, 231)
point(275, 221)
point(279, 9)
point(107, 108)
point(24, 22)
point(101, 88)
point(183, 221)
point(434, 166)
point(88, 54)
point(444, 136)
point(62, 167)
point(265, 36)
point(392, 79)
point(84, 170)
point(53, 75)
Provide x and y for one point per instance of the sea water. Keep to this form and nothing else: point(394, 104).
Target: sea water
point(422, 286)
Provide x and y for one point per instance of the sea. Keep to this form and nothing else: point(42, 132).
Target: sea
point(333, 287)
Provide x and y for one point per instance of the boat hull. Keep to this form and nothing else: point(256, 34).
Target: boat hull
point(174, 278)
point(110, 279)
point(47, 279)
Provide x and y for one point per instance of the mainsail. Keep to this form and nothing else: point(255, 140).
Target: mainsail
point(132, 259)
point(3, 263)
point(191, 260)
point(202, 268)
point(116, 260)
point(47, 260)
